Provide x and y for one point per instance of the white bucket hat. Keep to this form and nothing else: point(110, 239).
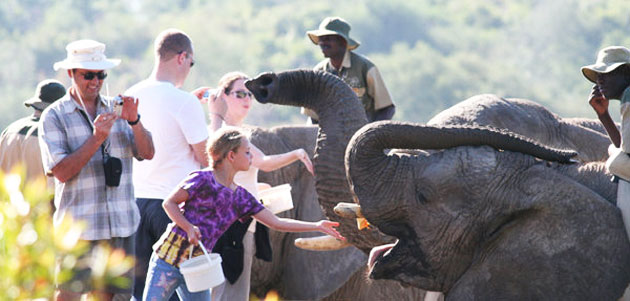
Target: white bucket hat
point(86, 54)
point(608, 59)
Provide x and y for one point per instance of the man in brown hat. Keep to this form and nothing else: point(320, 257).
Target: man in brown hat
point(356, 70)
point(611, 75)
point(18, 142)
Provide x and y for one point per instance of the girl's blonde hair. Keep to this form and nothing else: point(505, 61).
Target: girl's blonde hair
point(222, 142)
point(227, 81)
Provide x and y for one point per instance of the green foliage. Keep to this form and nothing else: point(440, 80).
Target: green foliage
point(30, 248)
point(431, 53)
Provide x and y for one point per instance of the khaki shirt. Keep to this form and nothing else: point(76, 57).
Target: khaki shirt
point(19, 146)
point(363, 77)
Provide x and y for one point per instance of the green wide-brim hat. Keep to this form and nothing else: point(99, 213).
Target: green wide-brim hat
point(333, 26)
point(608, 59)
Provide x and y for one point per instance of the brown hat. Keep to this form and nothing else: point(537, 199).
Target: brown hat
point(608, 59)
point(333, 26)
point(47, 92)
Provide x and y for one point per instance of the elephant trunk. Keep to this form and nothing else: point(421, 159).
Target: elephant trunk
point(340, 116)
point(368, 167)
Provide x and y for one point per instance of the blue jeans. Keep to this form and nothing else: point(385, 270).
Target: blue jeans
point(164, 279)
point(153, 222)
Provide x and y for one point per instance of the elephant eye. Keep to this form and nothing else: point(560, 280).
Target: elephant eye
point(420, 199)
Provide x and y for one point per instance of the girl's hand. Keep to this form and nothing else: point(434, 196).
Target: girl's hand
point(327, 227)
point(194, 235)
point(302, 155)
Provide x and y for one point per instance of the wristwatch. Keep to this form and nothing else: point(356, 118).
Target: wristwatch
point(134, 122)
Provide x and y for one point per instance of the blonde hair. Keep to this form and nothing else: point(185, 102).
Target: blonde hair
point(222, 142)
point(227, 81)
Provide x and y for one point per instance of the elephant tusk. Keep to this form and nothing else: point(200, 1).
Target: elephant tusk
point(321, 243)
point(348, 210)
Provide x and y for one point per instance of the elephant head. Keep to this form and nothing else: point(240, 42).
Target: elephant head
point(340, 116)
point(484, 217)
point(532, 120)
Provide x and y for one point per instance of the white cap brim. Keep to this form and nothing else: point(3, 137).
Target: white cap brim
point(99, 65)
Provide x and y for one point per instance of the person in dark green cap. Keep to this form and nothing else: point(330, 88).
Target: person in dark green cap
point(611, 77)
point(18, 142)
point(333, 37)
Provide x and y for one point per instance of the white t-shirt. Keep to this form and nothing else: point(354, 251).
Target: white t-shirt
point(176, 120)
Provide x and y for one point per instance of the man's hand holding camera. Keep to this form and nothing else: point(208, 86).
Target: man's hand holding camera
point(103, 125)
point(129, 109)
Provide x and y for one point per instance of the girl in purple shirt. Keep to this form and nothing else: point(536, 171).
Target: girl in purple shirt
point(211, 203)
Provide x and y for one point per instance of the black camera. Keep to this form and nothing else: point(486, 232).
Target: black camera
point(113, 170)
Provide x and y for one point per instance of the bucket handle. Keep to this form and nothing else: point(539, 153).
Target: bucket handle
point(203, 249)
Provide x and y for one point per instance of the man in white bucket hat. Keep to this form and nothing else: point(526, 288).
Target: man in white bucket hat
point(88, 148)
point(333, 37)
point(611, 75)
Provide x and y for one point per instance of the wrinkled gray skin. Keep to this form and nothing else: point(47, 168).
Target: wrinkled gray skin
point(340, 116)
point(294, 273)
point(484, 219)
point(530, 119)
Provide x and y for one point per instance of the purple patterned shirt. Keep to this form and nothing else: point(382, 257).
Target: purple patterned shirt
point(210, 206)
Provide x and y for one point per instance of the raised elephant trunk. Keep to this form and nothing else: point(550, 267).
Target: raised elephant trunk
point(340, 116)
point(366, 153)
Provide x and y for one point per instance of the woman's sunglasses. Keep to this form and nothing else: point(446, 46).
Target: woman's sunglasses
point(242, 94)
point(101, 75)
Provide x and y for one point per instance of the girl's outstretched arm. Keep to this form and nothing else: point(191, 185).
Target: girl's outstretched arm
point(291, 225)
point(272, 162)
point(171, 206)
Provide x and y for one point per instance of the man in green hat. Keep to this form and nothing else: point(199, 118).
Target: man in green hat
point(357, 71)
point(611, 75)
point(19, 143)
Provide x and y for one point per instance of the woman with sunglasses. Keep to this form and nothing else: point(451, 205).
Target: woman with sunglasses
point(229, 105)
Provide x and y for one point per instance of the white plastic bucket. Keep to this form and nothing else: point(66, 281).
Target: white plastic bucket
point(202, 272)
point(277, 198)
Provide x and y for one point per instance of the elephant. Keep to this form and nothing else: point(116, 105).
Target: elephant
point(340, 116)
point(486, 215)
point(294, 273)
point(339, 108)
point(528, 118)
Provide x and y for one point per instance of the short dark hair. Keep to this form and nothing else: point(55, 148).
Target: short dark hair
point(171, 42)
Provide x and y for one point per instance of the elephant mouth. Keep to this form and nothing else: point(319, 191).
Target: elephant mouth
point(384, 261)
point(402, 261)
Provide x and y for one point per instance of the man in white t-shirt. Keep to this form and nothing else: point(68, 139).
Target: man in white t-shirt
point(177, 120)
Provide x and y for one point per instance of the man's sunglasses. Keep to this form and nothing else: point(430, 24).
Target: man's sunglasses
point(242, 94)
point(101, 75)
point(192, 62)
